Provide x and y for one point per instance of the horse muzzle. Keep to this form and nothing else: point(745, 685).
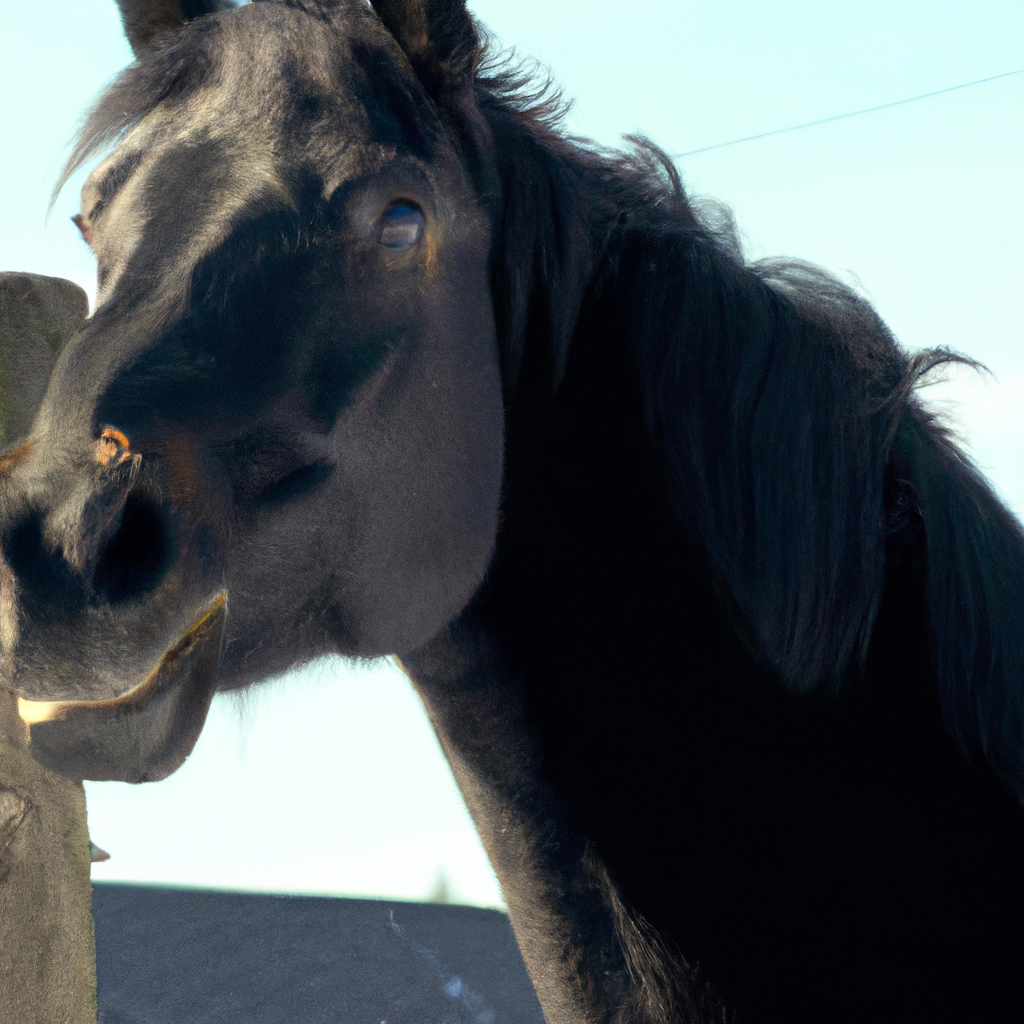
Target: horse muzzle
point(107, 554)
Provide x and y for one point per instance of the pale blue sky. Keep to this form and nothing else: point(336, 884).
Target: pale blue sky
point(332, 781)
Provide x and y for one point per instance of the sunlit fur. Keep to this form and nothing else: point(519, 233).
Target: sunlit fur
point(737, 707)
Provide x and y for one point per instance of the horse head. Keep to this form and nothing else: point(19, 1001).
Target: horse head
point(290, 386)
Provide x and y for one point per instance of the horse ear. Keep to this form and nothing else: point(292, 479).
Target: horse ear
point(438, 37)
point(146, 20)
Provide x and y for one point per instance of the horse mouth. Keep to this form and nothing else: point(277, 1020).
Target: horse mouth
point(145, 734)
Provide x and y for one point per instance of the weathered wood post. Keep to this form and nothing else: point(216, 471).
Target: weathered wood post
point(47, 951)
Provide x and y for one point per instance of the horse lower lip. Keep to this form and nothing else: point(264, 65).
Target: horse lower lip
point(146, 733)
point(32, 712)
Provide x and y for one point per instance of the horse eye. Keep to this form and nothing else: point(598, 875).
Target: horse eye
point(401, 227)
point(86, 232)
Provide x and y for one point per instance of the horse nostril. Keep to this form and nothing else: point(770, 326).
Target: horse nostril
point(135, 557)
point(47, 581)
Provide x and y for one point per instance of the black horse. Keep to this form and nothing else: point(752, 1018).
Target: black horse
point(722, 635)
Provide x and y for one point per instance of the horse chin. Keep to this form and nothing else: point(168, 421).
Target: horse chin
point(142, 735)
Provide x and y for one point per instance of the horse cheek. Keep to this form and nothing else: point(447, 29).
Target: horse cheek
point(422, 478)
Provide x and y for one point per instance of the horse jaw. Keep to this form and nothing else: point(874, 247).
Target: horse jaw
point(148, 732)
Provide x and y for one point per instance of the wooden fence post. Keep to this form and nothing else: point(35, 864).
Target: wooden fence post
point(47, 950)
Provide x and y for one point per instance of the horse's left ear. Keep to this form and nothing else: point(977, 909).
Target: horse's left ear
point(146, 20)
point(438, 37)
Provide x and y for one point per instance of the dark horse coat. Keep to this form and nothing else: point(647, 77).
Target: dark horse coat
point(720, 632)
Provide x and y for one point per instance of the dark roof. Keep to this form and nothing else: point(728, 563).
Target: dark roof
point(168, 956)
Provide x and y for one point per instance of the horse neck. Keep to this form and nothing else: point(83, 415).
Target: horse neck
point(592, 590)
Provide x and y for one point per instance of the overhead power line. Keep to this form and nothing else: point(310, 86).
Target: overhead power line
point(851, 113)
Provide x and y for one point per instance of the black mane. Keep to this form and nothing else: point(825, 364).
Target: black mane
point(783, 406)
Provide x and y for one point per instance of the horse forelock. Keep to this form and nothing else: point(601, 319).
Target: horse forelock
point(297, 42)
point(176, 70)
point(278, 121)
